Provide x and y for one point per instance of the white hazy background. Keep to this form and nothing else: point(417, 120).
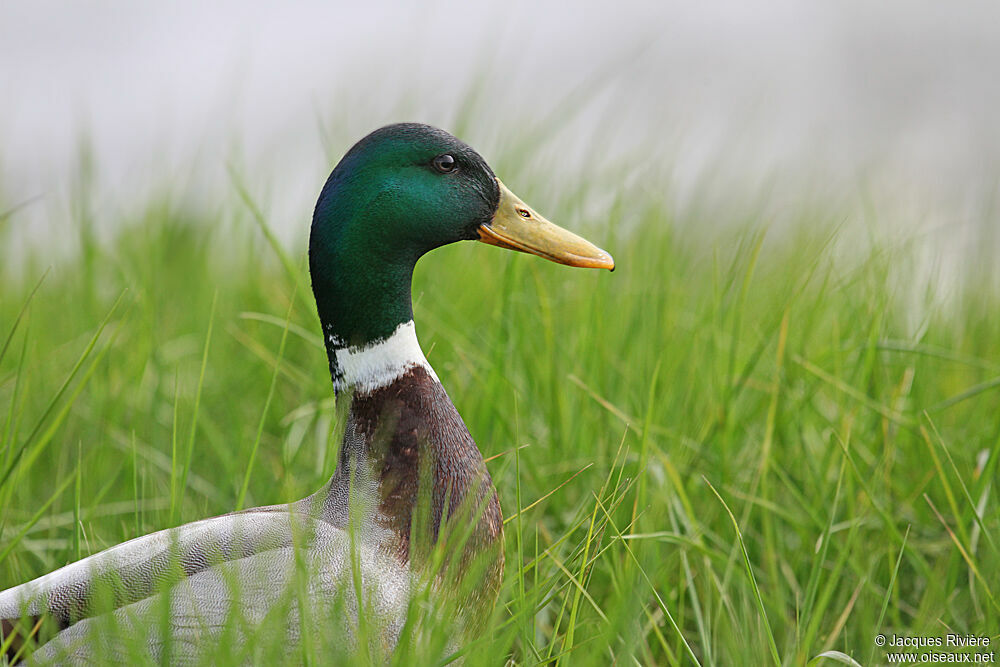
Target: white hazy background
point(886, 109)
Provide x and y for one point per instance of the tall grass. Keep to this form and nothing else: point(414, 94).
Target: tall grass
point(735, 449)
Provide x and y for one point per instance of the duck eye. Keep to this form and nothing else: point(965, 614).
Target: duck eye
point(445, 163)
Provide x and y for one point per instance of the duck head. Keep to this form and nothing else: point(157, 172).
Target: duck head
point(398, 193)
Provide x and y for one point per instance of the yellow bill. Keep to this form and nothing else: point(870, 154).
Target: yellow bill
point(517, 226)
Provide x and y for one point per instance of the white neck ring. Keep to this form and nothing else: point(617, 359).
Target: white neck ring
point(366, 368)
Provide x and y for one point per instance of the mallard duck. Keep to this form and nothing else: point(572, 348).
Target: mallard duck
point(398, 193)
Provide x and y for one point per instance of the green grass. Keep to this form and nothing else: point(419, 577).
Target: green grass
point(736, 449)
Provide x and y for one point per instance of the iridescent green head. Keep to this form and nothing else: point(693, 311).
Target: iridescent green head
point(401, 191)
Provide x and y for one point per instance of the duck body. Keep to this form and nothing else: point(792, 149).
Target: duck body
point(236, 566)
point(411, 490)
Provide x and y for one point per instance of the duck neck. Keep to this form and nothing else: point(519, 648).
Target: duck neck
point(405, 446)
point(365, 309)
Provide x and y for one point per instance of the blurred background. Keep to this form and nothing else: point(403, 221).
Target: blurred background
point(802, 201)
point(882, 109)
